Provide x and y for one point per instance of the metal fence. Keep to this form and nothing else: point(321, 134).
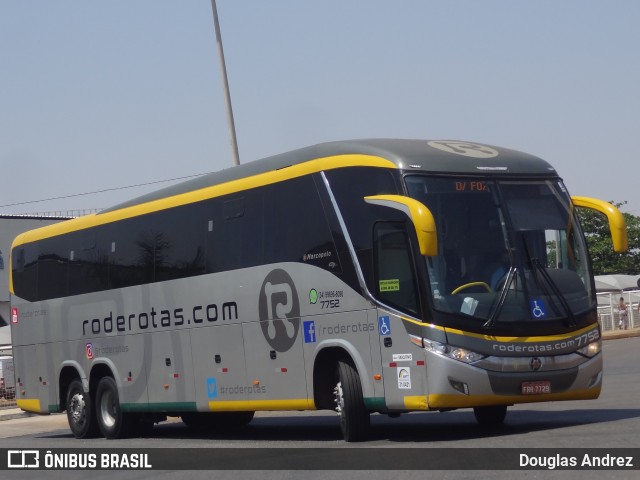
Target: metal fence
point(7, 385)
point(7, 398)
point(608, 314)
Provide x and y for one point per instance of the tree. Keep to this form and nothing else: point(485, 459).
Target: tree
point(605, 261)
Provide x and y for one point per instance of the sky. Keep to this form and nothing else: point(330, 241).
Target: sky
point(96, 96)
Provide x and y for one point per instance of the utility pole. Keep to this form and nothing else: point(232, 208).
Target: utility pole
point(225, 84)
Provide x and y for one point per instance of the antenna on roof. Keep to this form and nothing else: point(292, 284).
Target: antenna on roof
point(225, 84)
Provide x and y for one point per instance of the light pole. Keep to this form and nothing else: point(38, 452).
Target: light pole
point(225, 84)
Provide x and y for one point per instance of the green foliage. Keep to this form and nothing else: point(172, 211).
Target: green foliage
point(605, 261)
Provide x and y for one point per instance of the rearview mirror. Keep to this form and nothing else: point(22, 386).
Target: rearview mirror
point(420, 216)
point(617, 223)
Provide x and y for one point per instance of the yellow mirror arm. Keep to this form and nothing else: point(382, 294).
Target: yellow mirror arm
point(617, 223)
point(420, 216)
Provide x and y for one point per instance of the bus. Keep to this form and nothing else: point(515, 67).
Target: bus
point(369, 276)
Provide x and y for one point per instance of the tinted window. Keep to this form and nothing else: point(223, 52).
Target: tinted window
point(350, 186)
point(284, 222)
point(25, 271)
point(234, 238)
point(53, 268)
point(87, 271)
point(297, 230)
point(395, 277)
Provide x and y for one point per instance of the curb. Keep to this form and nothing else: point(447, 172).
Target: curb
point(621, 334)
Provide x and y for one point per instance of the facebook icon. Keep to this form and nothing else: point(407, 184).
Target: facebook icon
point(309, 329)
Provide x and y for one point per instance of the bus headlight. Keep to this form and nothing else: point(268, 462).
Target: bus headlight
point(592, 349)
point(457, 353)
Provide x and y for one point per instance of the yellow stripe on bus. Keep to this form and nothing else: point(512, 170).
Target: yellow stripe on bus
point(418, 402)
point(264, 405)
point(438, 401)
point(29, 404)
point(232, 186)
point(545, 338)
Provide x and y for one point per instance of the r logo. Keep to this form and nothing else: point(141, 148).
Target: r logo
point(279, 310)
point(467, 149)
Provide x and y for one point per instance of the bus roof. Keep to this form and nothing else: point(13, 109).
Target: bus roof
point(434, 156)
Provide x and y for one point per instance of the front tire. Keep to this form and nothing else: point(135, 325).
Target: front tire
point(112, 421)
point(80, 412)
point(354, 417)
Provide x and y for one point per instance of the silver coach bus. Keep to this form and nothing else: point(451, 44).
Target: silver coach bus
point(366, 276)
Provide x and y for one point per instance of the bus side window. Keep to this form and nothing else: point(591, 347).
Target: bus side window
point(25, 271)
point(395, 276)
point(297, 229)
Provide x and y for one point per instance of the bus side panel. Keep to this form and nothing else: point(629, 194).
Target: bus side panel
point(33, 326)
point(348, 331)
point(218, 365)
point(170, 371)
point(403, 366)
point(376, 401)
point(275, 376)
point(35, 387)
point(124, 356)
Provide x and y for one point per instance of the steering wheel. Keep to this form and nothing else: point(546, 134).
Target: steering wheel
point(472, 284)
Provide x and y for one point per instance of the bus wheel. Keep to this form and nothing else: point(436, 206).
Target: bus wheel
point(493, 415)
point(112, 421)
point(80, 413)
point(354, 417)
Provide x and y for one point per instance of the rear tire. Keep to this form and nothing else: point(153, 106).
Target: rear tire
point(490, 416)
point(80, 412)
point(112, 421)
point(354, 417)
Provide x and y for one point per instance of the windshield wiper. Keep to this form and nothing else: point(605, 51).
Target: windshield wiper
point(538, 267)
point(542, 270)
point(503, 297)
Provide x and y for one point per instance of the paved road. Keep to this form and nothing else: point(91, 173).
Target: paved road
point(610, 423)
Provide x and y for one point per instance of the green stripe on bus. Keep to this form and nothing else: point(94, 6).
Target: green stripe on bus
point(375, 403)
point(160, 407)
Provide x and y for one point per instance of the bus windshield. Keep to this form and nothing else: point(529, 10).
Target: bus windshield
point(508, 251)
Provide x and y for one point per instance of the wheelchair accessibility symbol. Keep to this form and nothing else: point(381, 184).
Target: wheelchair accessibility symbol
point(538, 309)
point(384, 326)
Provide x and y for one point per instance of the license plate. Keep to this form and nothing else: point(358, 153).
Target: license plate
point(536, 388)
